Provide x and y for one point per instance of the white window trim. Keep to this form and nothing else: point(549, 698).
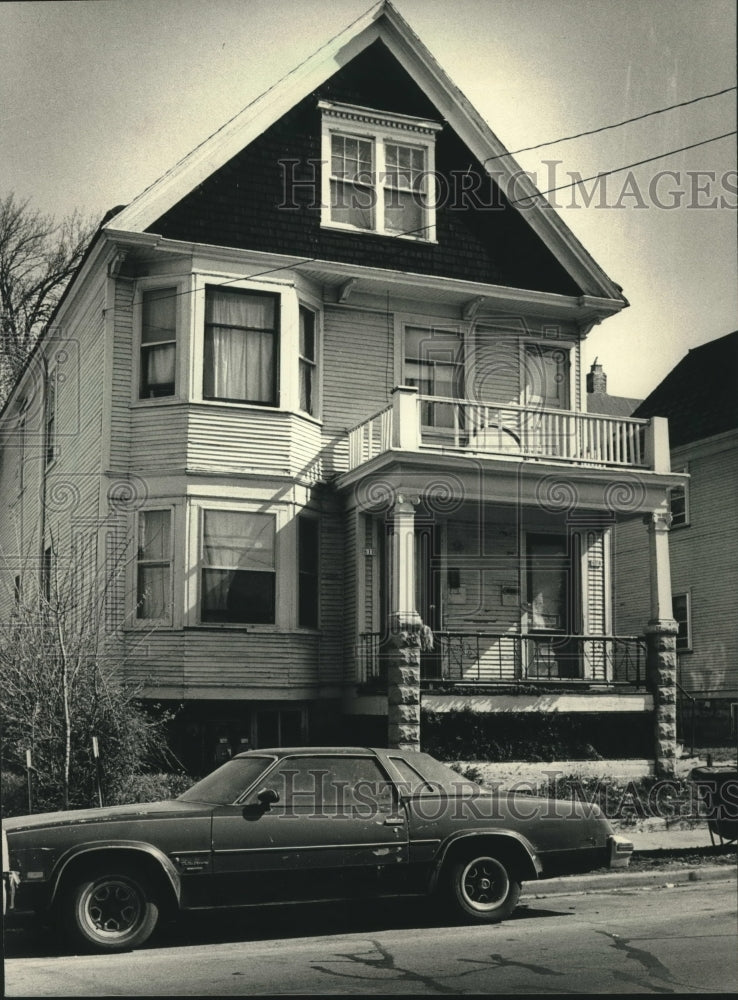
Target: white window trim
point(688, 595)
point(441, 324)
point(284, 610)
point(287, 334)
point(304, 302)
point(170, 620)
point(181, 363)
point(685, 486)
point(379, 127)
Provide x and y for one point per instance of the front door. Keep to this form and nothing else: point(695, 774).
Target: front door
point(553, 604)
point(337, 830)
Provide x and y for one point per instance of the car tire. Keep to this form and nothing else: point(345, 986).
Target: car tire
point(109, 909)
point(482, 887)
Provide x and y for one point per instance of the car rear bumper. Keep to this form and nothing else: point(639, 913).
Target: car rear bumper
point(620, 851)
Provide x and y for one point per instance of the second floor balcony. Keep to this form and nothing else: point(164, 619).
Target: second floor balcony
point(417, 423)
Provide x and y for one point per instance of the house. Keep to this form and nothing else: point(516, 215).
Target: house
point(316, 395)
point(700, 398)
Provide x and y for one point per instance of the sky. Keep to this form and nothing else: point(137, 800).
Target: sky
point(99, 98)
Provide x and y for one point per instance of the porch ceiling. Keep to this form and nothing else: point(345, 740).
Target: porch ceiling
point(553, 486)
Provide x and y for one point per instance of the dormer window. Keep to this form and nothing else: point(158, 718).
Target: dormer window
point(378, 172)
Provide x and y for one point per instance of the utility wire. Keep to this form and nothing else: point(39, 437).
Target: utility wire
point(604, 128)
point(617, 170)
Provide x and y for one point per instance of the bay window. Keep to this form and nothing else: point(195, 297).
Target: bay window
point(238, 576)
point(241, 346)
point(158, 343)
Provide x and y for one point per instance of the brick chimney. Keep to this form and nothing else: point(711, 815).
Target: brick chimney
point(596, 378)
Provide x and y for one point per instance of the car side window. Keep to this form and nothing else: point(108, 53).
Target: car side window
point(331, 784)
point(413, 783)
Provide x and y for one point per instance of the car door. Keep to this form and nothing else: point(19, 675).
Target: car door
point(337, 830)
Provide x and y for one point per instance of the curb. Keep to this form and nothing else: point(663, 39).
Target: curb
point(662, 879)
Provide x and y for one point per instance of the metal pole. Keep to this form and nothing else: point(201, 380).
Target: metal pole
point(29, 768)
point(96, 755)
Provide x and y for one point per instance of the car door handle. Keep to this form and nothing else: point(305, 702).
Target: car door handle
point(394, 821)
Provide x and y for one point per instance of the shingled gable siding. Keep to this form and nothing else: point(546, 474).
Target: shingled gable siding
point(239, 205)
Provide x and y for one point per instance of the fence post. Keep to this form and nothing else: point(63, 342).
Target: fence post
point(29, 768)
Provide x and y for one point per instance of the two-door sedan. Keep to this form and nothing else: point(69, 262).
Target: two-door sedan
point(287, 825)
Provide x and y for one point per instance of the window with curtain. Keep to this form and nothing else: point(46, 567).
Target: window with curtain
point(50, 419)
point(681, 608)
point(158, 343)
point(308, 555)
point(240, 357)
point(238, 567)
point(308, 362)
point(154, 565)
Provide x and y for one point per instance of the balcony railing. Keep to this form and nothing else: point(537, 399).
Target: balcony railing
point(494, 658)
point(430, 423)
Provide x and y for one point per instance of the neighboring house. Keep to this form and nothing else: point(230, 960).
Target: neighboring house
point(321, 378)
point(700, 398)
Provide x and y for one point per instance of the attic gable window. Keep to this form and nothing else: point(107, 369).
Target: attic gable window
point(378, 172)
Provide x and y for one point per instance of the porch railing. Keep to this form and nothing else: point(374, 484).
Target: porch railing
point(431, 423)
point(493, 658)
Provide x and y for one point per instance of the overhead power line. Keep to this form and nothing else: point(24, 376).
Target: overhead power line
point(617, 170)
point(604, 128)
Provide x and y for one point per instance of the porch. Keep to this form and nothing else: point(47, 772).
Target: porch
point(496, 660)
point(419, 423)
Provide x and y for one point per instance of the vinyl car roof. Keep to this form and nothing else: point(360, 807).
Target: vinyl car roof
point(308, 751)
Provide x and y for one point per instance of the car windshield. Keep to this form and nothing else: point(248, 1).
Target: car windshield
point(228, 782)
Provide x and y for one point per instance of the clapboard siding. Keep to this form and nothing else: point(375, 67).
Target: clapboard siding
point(121, 388)
point(358, 376)
point(595, 571)
point(250, 659)
point(158, 438)
point(704, 561)
point(227, 439)
point(332, 589)
point(350, 609)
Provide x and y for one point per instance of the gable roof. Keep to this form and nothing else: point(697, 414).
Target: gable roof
point(613, 406)
point(381, 22)
point(699, 395)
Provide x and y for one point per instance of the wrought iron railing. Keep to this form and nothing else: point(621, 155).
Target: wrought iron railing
point(492, 658)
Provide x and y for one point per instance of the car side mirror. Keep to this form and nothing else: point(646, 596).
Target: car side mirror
point(268, 797)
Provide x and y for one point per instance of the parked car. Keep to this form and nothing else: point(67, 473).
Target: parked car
point(272, 826)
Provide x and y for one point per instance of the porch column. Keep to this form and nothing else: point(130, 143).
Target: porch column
point(402, 653)
point(661, 632)
point(405, 421)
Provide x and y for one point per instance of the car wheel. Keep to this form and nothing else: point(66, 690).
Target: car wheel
point(483, 888)
point(110, 910)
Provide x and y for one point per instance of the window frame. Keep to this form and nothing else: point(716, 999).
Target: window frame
point(253, 290)
point(380, 129)
point(181, 363)
point(145, 347)
point(51, 407)
point(441, 327)
point(199, 564)
point(168, 619)
point(569, 347)
point(305, 517)
point(686, 621)
point(684, 488)
point(314, 363)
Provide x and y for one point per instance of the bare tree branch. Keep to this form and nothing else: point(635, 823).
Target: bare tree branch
point(38, 256)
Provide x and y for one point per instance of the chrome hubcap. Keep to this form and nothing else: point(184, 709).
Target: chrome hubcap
point(485, 883)
point(112, 908)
